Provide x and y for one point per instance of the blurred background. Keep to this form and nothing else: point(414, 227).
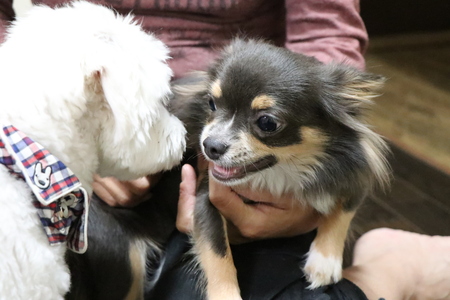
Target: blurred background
point(410, 45)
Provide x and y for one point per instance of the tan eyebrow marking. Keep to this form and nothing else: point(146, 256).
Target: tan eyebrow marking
point(313, 144)
point(215, 89)
point(263, 102)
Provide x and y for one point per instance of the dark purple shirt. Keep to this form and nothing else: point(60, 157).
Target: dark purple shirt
point(195, 29)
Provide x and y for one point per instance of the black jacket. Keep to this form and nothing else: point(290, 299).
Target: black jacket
point(267, 270)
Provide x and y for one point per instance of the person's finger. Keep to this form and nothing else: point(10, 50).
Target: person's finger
point(116, 193)
point(103, 194)
point(258, 214)
point(230, 205)
point(138, 186)
point(249, 221)
point(186, 200)
point(142, 186)
point(117, 189)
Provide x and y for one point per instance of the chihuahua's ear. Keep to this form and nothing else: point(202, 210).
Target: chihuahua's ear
point(349, 92)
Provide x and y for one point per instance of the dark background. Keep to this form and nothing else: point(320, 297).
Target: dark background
point(402, 16)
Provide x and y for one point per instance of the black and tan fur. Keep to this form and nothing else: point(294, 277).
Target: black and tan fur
point(271, 119)
point(125, 246)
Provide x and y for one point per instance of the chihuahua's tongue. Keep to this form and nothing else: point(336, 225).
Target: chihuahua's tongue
point(225, 173)
point(230, 173)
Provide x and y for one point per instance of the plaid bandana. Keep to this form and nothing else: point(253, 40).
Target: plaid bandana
point(61, 202)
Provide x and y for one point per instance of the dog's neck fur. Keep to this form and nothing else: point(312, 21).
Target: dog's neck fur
point(79, 149)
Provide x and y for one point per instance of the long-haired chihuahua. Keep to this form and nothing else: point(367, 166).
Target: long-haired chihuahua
point(271, 119)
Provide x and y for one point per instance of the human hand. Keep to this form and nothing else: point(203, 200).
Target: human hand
point(395, 264)
point(265, 216)
point(124, 193)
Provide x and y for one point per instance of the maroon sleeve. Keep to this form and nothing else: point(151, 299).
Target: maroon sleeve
point(6, 16)
point(330, 30)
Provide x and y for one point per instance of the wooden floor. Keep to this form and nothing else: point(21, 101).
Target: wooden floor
point(419, 199)
point(414, 115)
point(414, 111)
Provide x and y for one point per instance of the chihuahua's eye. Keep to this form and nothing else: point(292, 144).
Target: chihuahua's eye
point(212, 105)
point(266, 123)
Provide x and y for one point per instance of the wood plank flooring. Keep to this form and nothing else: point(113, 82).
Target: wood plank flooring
point(419, 199)
point(414, 110)
point(414, 115)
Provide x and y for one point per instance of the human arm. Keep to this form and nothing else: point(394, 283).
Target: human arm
point(330, 30)
point(6, 15)
point(395, 264)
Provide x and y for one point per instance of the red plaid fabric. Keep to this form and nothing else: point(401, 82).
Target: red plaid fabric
point(62, 204)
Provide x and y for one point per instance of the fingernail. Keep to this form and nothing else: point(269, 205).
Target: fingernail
point(184, 168)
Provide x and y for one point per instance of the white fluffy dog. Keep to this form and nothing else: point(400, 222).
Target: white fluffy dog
point(90, 87)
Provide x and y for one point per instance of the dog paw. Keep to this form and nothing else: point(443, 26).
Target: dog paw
point(322, 270)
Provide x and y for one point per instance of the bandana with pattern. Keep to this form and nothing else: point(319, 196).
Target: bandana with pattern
point(62, 204)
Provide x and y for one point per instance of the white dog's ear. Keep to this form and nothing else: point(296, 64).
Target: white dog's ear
point(135, 84)
point(139, 136)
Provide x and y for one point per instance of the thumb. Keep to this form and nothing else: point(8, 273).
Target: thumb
point(186, 201)
point(228, 203)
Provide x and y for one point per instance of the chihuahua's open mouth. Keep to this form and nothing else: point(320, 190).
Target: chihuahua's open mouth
point(228, 173)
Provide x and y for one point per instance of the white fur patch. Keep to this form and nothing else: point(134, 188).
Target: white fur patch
point(322, 270)
point(93, 93)
point(96, 80)
point(29, 267)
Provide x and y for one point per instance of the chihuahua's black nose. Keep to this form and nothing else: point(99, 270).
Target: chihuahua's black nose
point(214, 148)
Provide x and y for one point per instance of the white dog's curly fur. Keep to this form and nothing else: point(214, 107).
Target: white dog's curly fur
point(91, 87)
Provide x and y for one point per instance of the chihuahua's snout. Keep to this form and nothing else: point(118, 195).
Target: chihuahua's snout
point(214, 148)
